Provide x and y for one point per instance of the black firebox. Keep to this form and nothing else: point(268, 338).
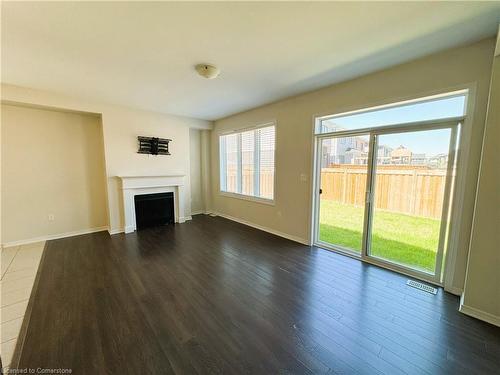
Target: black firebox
point(154, 209)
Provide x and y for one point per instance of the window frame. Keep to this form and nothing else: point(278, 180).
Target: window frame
point(242, 196)
point(448, 272)
point(394, 103)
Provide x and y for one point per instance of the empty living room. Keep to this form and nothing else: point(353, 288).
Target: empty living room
point(245, 187)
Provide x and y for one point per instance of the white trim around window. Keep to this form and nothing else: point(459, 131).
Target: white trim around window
point(247, 163)
point(247, 198)
point(447, 273)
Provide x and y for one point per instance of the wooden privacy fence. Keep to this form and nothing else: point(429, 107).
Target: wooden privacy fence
point(266, 183)
point(410, 190)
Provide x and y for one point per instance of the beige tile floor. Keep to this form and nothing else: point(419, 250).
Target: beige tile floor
point(19, 265)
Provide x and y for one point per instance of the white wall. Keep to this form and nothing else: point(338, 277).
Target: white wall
point(52, 164)
point(291, 215)
point(121, 126)
point(206, 171)
point(481, 296)
point(197, 205)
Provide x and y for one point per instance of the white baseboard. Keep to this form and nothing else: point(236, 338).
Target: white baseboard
point(480, 314)
point(54, 236)
point(199, 212)
point(115, 231)
point(454, 290)
point(265, 229)
point(129, 229)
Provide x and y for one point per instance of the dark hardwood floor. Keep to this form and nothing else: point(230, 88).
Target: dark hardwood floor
point(214, 296)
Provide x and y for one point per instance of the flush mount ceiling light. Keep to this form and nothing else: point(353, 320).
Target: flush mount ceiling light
point(207, 70)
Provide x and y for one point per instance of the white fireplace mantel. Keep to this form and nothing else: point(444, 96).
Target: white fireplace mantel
point(136, 185)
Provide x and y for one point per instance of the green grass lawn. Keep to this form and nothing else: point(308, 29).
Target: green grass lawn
point(405, 239)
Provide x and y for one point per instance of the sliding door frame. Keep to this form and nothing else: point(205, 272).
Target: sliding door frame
point(453, 124)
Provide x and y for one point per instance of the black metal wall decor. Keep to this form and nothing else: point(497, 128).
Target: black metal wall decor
point(153, 145)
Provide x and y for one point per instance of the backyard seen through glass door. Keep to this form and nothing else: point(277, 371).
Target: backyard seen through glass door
point(409, 186)
point(399, 220)
point(343, 184)
point(408, 191)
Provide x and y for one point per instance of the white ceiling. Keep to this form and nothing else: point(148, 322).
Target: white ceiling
point(142, 54)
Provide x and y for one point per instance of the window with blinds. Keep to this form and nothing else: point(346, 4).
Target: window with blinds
point(247, 162)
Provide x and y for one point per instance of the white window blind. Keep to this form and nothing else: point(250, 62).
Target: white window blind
point(247, 162)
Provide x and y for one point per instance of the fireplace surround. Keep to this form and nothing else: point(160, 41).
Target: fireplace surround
point(140, 185)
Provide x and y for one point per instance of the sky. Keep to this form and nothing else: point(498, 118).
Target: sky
point(429, 142)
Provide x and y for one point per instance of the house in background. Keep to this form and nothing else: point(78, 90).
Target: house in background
point(401, 155)
point(438, 161)
point(343, 150)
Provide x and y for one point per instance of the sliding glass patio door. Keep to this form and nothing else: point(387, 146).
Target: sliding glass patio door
point(343, 173)
point(384, 194)
point(409, 199)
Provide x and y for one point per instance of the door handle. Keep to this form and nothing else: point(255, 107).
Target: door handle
point(321, 191)
point(368, 197)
